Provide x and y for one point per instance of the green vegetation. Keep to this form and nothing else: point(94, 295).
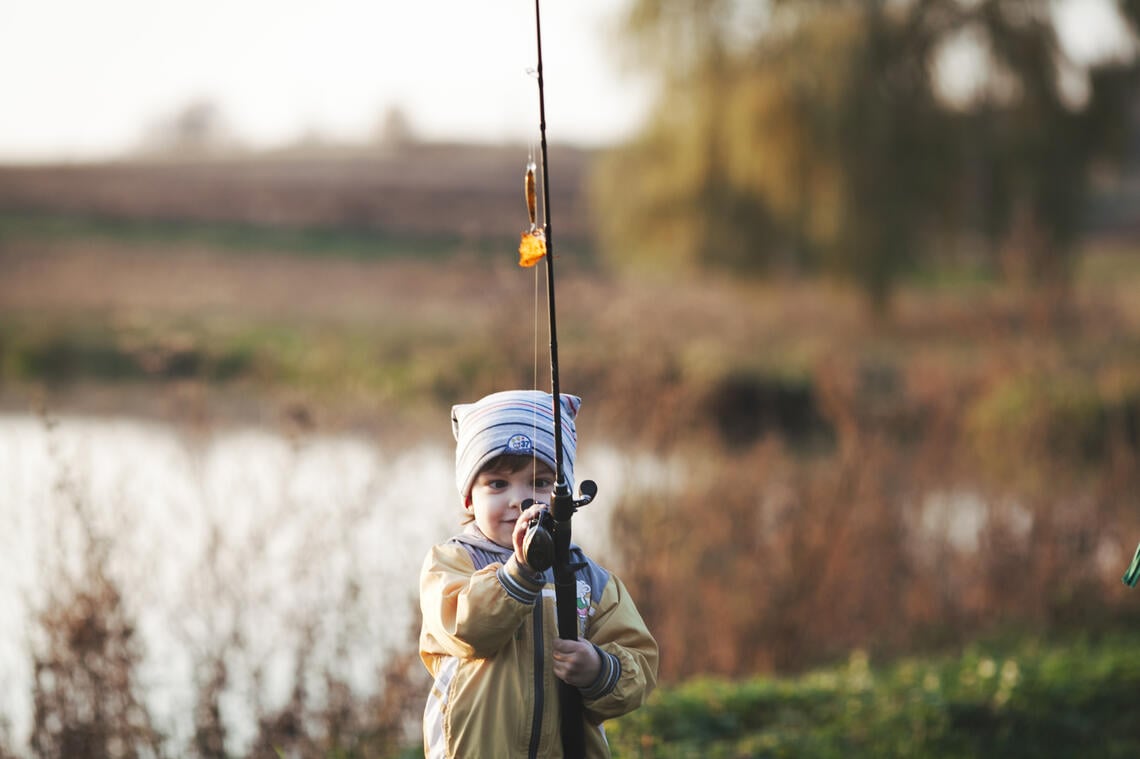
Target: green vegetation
point(821, 136)
point(1029, 699)
point(1064, 416)
point(393, 364)
point(341, 240)
point(93, 350)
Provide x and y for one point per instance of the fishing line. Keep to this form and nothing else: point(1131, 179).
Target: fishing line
point(534, 381)
point(529, 183)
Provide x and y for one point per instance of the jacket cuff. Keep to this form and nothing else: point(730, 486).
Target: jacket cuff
point(521, 585)
point(607, 678)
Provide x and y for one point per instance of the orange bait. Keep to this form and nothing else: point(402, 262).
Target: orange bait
point(532, 247)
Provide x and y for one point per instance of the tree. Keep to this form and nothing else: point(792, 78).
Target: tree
point(1034, 142)
point(815, 135)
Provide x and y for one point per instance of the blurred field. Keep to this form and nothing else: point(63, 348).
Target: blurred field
point(963, 467)
point(425, 192)
point(173, 271)
point(252, 278)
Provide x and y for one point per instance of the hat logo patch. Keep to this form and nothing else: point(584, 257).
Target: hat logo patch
point(520, 444)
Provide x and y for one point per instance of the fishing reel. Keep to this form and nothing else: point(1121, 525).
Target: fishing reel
point(538, 543)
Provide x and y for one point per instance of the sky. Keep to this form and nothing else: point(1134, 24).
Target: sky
point(86, 79)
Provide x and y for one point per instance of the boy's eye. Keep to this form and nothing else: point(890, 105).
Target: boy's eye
point(542, 483)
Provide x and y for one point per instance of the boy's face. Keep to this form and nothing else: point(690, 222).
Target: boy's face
point(497, 495)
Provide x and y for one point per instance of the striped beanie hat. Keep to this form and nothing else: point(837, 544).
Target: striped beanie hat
point(515, 422)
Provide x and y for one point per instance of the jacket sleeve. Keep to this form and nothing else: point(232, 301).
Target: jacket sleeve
point(629, 656)
point(471, 614)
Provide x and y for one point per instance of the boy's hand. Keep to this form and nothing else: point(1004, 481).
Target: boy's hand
point(520, 532)
point(576, 662)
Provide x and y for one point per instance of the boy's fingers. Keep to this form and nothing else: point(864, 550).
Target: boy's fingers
point(523, 521)
point(528, 514)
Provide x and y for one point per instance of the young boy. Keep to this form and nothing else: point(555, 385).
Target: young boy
point(489, 635)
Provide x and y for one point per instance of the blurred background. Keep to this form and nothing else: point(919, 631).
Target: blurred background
point(851, 289)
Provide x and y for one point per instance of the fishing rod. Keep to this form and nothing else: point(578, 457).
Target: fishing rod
point(548, 537)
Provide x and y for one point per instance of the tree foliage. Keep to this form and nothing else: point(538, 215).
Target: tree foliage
point(820, 135)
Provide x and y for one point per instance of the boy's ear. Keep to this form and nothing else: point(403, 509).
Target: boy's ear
point(467, 501)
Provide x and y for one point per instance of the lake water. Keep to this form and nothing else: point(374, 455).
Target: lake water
point(310, 544)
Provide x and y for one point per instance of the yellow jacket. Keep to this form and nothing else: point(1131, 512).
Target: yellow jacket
point(487, 628)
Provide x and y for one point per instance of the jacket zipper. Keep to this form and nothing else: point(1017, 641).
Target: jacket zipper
point(539, 666)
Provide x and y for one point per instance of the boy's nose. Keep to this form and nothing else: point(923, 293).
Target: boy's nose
point(522, 497)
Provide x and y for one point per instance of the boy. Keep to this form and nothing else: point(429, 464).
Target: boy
point(489, 635)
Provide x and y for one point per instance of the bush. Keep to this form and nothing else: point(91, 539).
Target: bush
point(1044, 417)
point(1060, 700)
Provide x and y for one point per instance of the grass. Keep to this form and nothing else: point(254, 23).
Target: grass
point(1028, 699)
point(395, 365)
point(338, 241)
